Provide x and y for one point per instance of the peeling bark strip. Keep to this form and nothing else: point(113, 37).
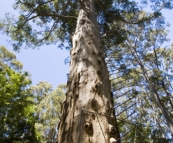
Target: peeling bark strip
point(88, 87)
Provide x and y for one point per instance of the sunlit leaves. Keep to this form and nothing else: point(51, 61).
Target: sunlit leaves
point(48, 110)
point(16, 102)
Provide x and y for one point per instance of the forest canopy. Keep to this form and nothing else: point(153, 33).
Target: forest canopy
point(133, 36)
point(25, 110)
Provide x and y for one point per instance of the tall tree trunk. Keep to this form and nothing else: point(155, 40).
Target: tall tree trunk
point(87, 112)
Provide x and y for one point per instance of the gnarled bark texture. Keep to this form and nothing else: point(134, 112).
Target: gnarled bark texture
point(87, 112)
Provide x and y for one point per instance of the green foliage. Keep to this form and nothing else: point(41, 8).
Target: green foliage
point(41, 22)
point(47, 110)
point(16, 102)
point(46, 22)
point(27, 114)
point(139, 70)
point(131, 38)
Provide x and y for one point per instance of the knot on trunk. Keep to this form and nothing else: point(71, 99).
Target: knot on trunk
point(112, 129)
point(76, 83)
point(93, 53)
point(93, 103)
point(99, 61)
point(76, 96)
point(84, 20)
point(97, 85)
point(88, 125)
point(99, 72)
point(88, 128)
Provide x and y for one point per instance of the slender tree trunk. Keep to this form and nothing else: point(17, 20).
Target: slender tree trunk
point(87, 112)
point(164, 112)
point(169, 121)
point(166, 115)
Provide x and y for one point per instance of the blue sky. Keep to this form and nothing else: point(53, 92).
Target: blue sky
point(44, 64)
point(47, 63)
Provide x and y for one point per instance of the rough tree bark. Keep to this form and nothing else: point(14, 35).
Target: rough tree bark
point(87, 113)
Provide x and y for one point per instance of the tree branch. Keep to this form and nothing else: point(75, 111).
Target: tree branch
point(53, 15)
point(122, 19)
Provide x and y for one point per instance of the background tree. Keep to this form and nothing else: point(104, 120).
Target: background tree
point(16, 102)
point(47, 110)
point(142, 72)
